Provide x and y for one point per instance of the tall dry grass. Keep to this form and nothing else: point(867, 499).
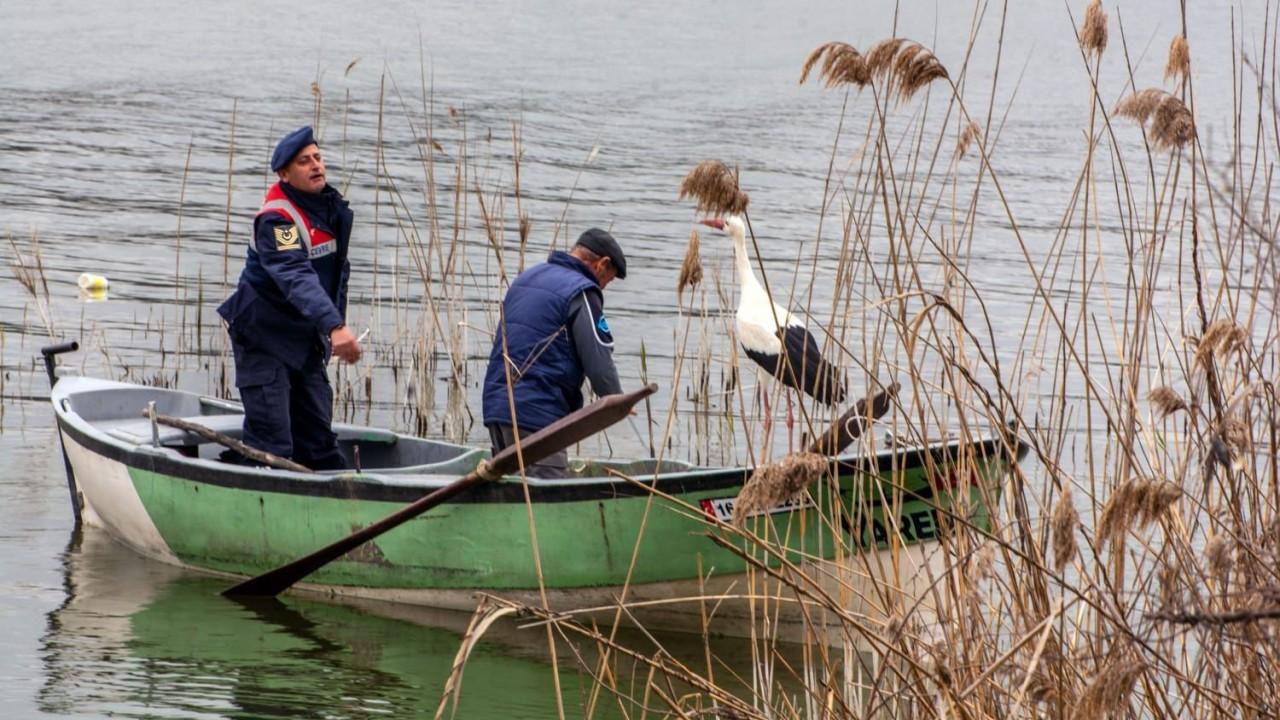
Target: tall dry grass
point(1134, 565)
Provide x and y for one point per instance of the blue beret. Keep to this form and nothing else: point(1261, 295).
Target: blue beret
point(289, 146)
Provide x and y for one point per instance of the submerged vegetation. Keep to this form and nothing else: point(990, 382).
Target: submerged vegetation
point(1133, 565)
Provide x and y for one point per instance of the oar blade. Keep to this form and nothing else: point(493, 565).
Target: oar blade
point(850, 426)
point(572, 428)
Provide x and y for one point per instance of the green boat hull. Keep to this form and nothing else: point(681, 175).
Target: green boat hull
point(650, 536)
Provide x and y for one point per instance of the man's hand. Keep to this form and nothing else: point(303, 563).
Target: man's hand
point(344, 343)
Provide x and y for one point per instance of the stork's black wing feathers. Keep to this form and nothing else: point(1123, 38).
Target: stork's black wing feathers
point(807, 370)
point(770, 362)
point(804, 368)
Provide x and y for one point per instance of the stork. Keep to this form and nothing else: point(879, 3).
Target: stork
point(773, 337)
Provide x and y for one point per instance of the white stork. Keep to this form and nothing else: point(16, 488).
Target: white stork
point(772, 336)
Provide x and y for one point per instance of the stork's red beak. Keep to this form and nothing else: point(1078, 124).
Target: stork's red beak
point(716, 223)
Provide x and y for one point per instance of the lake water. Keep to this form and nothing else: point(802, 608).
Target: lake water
point(117, 127)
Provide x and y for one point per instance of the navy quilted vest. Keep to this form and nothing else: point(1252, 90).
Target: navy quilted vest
point(546, 374)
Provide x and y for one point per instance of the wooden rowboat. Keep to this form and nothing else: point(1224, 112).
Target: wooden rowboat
point(631, 529)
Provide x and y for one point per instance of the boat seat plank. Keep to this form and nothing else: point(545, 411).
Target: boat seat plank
point(138, 431)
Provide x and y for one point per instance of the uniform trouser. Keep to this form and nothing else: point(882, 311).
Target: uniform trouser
point(287, 412)
point(552, 467)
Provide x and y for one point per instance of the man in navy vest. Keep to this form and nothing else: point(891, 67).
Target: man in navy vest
point(552, 334)
point(287, 314)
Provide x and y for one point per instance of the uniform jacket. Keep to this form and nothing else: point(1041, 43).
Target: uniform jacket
point(293, 289)
point(546, 372)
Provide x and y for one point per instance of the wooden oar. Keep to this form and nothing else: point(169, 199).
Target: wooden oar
point(555, 437)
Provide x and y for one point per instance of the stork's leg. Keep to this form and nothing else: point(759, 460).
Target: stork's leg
point(768, 413)
point(791, 424)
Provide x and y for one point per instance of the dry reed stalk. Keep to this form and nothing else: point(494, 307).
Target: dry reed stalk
point(715, 189)
point(970, 133)
point(1064, 524)
point(1171, 123)
point(1135, 504)
point(177, 240)
point(226, 219)
point(31, 276)
point(1178, 65)
point(1166, 401)
point(1093, 34)
point(775, 483)
point(690, 268)
point(1109, 692)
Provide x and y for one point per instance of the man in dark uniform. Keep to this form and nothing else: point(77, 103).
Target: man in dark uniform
point(552, 334)
point(287, 314)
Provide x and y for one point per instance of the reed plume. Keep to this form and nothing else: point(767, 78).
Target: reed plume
point(1109, 692)
point(777, 482)
point(1166, 401)
point(1235, 431)
point(1135, 504)
point(715, 188)
point(1064, 524)
point(904, 67)
point(691, 268)
point(1172, 124)
point(842, 64)
point(982, 565)
point(1179, 63)
point(1219, 555)
point(1093, 34)
point(970, 133)
point(1221, 338)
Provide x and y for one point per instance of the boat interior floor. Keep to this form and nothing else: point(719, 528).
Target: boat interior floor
point(379, 451)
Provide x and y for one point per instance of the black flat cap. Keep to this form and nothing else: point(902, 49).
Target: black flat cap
point(602, 243)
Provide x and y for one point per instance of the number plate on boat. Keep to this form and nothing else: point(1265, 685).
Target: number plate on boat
point(722, 508)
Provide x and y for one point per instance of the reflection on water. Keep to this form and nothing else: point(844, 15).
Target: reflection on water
point(137, 638)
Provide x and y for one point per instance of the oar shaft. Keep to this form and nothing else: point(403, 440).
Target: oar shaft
point(276, 581)
point(551, 439)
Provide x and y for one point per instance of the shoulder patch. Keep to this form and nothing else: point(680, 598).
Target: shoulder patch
point(603, 325)
point(288, 238)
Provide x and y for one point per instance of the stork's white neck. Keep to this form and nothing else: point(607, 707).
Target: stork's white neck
point(754, 306)
point(746, 274)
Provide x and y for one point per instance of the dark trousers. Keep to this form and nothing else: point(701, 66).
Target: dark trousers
point(287, 412)
point(553, 467)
